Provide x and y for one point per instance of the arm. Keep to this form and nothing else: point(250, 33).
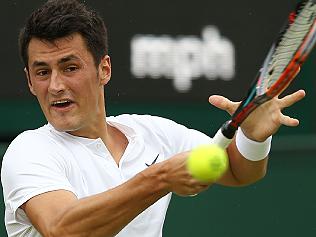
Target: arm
point(241, 171)
point(261, 123)
point(59, 213)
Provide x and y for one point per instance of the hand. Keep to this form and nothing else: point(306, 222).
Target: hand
point(179, 179)
point(266, 119)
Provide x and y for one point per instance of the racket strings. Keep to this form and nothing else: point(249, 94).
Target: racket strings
point(287, 46)
point(282, 63)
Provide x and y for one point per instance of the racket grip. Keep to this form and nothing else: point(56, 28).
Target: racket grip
point(220, 140)
point(224, 135)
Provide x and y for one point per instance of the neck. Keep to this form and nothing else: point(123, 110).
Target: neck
point(115, 141)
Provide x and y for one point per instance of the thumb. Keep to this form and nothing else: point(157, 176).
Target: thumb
point(223, 103)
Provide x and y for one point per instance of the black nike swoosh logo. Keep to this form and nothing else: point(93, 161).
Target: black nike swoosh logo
point(154, 161)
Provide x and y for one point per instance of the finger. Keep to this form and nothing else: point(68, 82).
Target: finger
point(291, 99)
point(193, 182)
point(203, 188)
point(197, 189)
point(288, 121)
point(223, 103)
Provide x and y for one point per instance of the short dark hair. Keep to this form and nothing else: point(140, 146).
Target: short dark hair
point(60, 18)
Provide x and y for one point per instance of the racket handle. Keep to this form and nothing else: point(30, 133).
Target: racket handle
point(224, 135)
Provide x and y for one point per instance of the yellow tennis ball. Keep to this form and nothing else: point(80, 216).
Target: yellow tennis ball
point(207, 162)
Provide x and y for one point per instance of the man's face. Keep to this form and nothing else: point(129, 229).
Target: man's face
point(69, 87)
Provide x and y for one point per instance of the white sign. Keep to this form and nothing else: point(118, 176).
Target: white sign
point(183, 58)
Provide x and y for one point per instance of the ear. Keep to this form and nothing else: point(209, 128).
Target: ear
point(27, 73)
point(105, 70)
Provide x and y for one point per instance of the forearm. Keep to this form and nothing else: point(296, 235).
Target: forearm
point(107, 213)
point(242, 170)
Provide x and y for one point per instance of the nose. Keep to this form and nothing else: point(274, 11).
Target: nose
point(56, 84)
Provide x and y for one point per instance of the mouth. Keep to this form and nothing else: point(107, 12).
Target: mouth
point(61, 104)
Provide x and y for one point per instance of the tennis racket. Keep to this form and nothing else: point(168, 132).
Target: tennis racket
point(283, 62)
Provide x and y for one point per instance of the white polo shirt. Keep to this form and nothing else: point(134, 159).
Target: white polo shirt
point(43, 160)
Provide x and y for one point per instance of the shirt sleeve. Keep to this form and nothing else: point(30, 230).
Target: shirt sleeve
point(178, 137)
point(32, 165)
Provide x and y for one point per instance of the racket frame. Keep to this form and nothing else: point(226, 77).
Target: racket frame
point(227, 131)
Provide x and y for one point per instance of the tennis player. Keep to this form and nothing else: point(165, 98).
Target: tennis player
point(85, 174)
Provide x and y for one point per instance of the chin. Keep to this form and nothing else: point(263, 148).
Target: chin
point(64, 126)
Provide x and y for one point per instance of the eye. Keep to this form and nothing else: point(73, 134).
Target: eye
point(42, 73)
point(71, 68)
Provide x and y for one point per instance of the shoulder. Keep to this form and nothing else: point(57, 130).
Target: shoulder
point(145, 121)
point(165, 131)
point(34, 153)
point(39, 138)
point(37, 146)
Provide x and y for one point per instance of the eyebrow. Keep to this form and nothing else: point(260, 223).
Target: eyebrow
point(68, 58)
point(60, 61)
